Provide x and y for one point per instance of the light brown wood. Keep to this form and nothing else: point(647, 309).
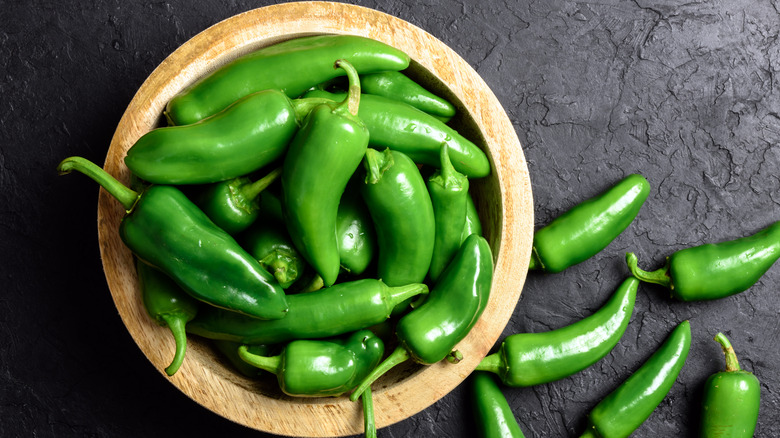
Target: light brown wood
point(504, 200)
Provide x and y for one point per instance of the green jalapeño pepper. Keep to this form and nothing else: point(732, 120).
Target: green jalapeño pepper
point(234, 204)
point(627, 407)
point(713, 271)
point(321, 159)
point(166, 230)
point(731, 399)
point(473, 225)
point(527, 359)
point(449, 192)
point(429, 332)
point(588, 227)
point(402, 212)
point(333, 311)
point(396, 85)
point(244, 137)
point(268, 241)
point(321, 368)
point(419, 135)
point(492, 412)
point(292, 66)
point(169, 306)
point(355, 231)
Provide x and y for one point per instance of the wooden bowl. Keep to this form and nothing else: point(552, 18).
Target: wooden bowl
point(503, 199)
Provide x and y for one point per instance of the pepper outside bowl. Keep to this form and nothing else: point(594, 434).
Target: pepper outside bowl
point(503, 199)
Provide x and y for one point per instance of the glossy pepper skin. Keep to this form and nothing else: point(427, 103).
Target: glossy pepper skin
point(473, 224)
point(449, 191)
point(396, 85)
point(731, 399)
point(292, 66)
point(403, 128)
point(268, 241)
point(492, 413)
point(328, 312)
point(713, 271)
point(321, 368)
point(169, 306)
point(630, 404)
point(166, 230)
point(402, 213)
point(244, 137)
point(588, 227)
point(527, 359)
point(355, 231)
point(321, 159)
point(429, 332)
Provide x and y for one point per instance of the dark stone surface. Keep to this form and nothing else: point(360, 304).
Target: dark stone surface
point(685, 93)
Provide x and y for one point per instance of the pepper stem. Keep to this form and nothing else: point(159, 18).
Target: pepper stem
point(126, 196)
point(176, 323)
point(490, 363)
point(660, 276)
point(267, 363)
point(732, 364)
point(535, 263)
point(369, 425)
point(399, 294)
point(399, 355)
point(252, 190)
point(302, 107)
point(352, 101)
point(376, 163)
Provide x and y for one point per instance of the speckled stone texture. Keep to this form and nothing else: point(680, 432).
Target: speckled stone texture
point(685, 93)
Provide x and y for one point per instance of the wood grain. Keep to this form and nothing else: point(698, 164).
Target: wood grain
point(504, 200)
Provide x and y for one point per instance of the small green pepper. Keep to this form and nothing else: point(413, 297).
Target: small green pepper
point(397, 86)
point(713, 271)
point(268, 241)
point(321, 159)
point(229, 349)
point(473, 224)
point(321, 368)
point(731, 399)
point(169, 306)
point(588, 227)
point(527, 359)
point(355, 231)
point(493, 415)
point(429, 332)
point(627, 407)
point(165, 229)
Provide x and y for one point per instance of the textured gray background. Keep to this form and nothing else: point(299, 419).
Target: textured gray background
point(685, 93)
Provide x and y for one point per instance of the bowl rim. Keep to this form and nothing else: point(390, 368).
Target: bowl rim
point(203, 380)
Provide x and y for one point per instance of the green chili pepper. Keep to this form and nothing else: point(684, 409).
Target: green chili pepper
point(396, 85)
point(588, 227)
point(169, 306)
point(292, 66)
point(234, 204)
point(713, 271)
point(731, 399)
point(419, 135)
point(333, 311)
point(401, 210)
point(166, 230)
point(229, 349)
point(627, 407)
point(321, 368)
point(321, 159)
point(493, 415)
point(355, 231)
point(473, 225)
point(449, 191)
point(268, 241)
point(428, 333)
point(527, 359)
point(246, 136)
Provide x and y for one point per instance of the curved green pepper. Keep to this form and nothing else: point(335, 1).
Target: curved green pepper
point(169, 306)
point(428, 333)
point(419, 135)
point(234, 205)
point(731, 399)
point(333, 311)
point(493, 415)
point(355, 231)
point(527, 359)
point(166, 230)
point(397, 86)
point(321, 368)
point(320, 162)
point(713, 271)
point(588, 227)
point(291, 66)
point(401, 210)
point(249, 134)
point(473, 224)
point(449, 191)
point(627, 407)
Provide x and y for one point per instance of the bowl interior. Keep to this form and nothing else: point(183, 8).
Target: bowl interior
point(503, 199)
